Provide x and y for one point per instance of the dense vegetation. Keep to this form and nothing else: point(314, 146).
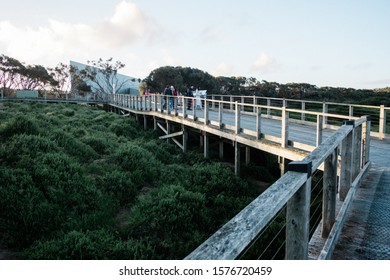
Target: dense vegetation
point(80, 183)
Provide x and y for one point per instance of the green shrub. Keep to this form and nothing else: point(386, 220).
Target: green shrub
point(88, 245)
point(21, 124)
point(25, 214)
point(120, 185)
point(22, 149)
point(73, 146)
point(172, 219)
point(140, 162)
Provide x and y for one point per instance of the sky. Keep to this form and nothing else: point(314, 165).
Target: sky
point(338, 43)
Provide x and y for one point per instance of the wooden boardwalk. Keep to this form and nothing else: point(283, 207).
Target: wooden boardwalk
point(366, 232)
point(367, 226)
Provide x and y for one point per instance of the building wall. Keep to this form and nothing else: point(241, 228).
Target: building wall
point(129, 85)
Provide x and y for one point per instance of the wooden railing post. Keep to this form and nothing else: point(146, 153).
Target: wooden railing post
point(161, 104)
point(220, 110)
point(184, 104)
point(194, 108)
point(258, 123)
point(268, 107)
point(175, 102)
point(284, 132)
point(319, 130)
point(237, 118)
point(254, 103)
point(329, 194)
point(382, 122)
point(231, 102)
point(298, 216)
point(357, 151)
point(366, 140)
point(325, 112)
point(346, 164)
point(206, 113)
point(303, 108)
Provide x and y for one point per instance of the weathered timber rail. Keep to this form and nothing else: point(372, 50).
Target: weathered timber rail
point(379, 114)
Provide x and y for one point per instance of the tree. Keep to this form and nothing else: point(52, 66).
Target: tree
point(103, 76)
point(180, 77)
point(36, 77)
point(10, 70)
point(62, 74)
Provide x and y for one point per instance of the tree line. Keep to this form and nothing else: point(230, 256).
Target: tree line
point(102, 78)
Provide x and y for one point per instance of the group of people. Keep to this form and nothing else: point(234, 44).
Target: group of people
point(171, 91)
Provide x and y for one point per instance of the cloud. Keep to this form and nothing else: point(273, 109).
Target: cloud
point(264, 64)
point(126, 26)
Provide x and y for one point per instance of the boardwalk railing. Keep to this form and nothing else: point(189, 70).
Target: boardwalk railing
point(343, 156)
point(379, 114)
point(218, 113)
point(293, 189)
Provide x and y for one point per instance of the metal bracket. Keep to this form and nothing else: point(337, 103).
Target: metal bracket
point(300, 166)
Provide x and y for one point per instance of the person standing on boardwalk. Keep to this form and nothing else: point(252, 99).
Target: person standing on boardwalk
point(189, 94)
point(168, 93)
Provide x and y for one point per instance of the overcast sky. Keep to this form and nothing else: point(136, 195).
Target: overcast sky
point(340, 43)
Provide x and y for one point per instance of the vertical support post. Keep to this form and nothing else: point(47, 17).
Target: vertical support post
point(282, 165)
point(329, 194)
point(168, 104)
point(284, 132)
point(206, 113)
point(206, 145)
point(161, 104)
point(254, 103)
point(145, 123)
point(185, 139)
point(357, 151)
point(346, 166)
point(350, 111)
point(268, 107)
point(382, 122)
point(175, 102)
point(220, 110)
point(325, 112)
point(194, 108)
point(184, 108)
point(247, 155)
point(213, 102)
point(168, 131)
point(237, 158)
point(231, 103)
point(258, 123)
point(237, 118)
point(154, 123)
point(319, 130)
point(155, 98)
point(298, 218)
point(221, 149)
point(303, 108)
point(366, 140)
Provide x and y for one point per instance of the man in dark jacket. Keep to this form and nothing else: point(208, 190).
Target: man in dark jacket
point(189, 94)
point(167, 92)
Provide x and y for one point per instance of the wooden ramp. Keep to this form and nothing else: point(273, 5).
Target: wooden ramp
point(366, 232)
